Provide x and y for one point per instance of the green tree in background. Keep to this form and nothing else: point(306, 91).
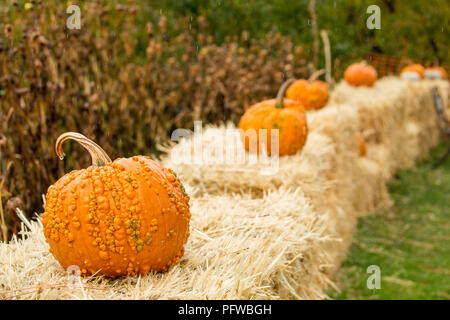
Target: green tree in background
point(416, 29)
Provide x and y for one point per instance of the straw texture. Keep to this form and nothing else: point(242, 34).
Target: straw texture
point(256, 235)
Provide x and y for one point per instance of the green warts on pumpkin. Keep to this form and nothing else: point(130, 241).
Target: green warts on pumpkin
point(183, 191)
point(277, 126)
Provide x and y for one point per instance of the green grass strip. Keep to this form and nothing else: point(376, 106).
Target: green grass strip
point(410, 242)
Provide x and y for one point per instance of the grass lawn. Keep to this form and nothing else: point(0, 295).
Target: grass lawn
point(410, 243)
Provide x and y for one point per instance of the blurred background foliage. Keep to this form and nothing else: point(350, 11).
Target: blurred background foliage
point(122, 80)
point(415, 28)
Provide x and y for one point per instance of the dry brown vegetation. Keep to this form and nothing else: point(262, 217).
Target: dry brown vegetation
point(125, 92)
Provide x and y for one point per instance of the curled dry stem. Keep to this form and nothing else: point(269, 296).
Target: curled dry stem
point(281, 92)
point(99, 156)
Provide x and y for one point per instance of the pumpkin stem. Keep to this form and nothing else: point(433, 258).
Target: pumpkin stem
point(99, 156)
point(316, 75)
point(281, 92)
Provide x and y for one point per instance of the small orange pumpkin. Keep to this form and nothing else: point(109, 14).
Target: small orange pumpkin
point(413, 72)
point(435, 73)
point(282, 114)
point(360, 74)
point(125, 217)
point(313, 94)
point(362, 147)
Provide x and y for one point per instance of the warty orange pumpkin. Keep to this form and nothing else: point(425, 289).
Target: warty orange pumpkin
point(282, 114)
point(311, 93)
point(413, 72)
point(123, 217)
point(360, 74)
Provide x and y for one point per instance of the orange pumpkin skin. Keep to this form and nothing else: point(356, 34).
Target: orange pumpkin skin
point(127, 217)
point(312, 95)
point(414, 69)
point(362, 147)
point(360, 74)
point(290, 121)
point(435, 73)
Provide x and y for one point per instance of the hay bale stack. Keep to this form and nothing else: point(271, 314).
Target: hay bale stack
point(248, 173)
point(381, 111)
point(421, 112)
point(397, 118)
point(358, 185)
point(324, 170)
point(349, 171)
point(340, 124)
point(371, 184)
point(420, 102)
point(240, 248)
point(258, 235)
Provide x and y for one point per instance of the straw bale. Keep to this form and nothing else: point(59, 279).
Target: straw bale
point(346, 200)
point(259, 235)
point(371, 184)
point(213, 175)
point(421, 103)
point(240, 248)
point(398, 115)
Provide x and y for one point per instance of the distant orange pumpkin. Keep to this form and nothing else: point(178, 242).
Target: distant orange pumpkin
point(413, 72)
point(360, 74)
point(311, 94)
point(435, 73)
point(285, 115)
